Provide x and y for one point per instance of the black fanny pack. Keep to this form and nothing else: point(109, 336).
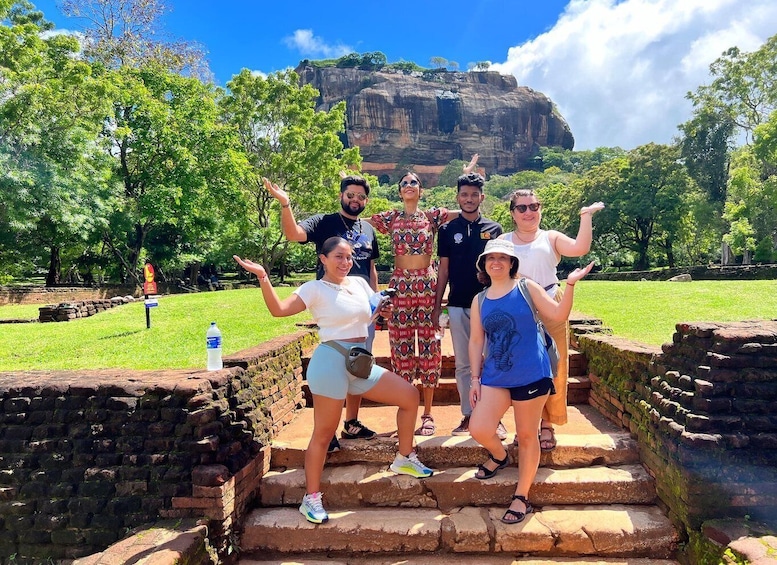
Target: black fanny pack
point(358, 361)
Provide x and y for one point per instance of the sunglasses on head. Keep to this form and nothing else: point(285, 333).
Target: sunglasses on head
point(534, 206)
point(405, 183)
point(360, 196)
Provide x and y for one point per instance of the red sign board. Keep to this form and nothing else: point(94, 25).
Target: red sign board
point(149, 287)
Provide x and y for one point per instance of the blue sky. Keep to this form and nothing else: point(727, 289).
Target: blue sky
point(617, 70)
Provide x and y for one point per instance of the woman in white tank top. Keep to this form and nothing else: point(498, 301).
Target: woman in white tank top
point(539, 252)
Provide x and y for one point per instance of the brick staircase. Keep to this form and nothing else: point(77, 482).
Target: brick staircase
point(596, 501)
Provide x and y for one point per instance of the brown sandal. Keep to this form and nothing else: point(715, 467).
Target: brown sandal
point(547, 444)
point(428, 426)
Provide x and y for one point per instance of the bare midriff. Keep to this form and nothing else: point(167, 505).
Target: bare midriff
point(353, 339)
point(409, 262)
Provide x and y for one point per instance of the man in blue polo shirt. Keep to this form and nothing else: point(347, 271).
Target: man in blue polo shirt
point(459, 243)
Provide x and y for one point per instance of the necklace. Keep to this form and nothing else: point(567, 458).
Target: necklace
point(335, 286)
point(519, 238)
point(356, 228)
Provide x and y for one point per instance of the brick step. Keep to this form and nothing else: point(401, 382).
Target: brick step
point(372, 485)
point(445, 451)
point(447, 559)
point(587, 439)
point(602, 531)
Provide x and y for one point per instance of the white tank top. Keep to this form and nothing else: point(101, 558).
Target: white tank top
point(537, 260)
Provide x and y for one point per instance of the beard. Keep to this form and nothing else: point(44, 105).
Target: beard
point(353, 208)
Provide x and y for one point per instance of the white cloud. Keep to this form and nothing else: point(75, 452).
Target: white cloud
point(619, 70)
point(309, 45)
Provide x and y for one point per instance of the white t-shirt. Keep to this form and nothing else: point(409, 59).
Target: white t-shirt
point(341, 311)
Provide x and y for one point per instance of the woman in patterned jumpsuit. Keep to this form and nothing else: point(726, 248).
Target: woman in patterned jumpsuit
point(412, 234)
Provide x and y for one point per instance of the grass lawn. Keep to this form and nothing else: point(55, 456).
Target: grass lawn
point(119, 338)
point(642, 311)
point(19, 311)
point(647, 311)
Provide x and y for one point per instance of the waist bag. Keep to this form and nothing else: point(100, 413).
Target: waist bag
point(358, 361)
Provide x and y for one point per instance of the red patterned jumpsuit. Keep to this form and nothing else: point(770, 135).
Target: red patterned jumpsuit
point(413, 234)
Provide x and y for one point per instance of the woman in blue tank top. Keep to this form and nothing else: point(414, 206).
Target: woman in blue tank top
point(516, 369)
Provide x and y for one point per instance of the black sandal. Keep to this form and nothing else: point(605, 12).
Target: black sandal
point(488, 473)
point(519, 516)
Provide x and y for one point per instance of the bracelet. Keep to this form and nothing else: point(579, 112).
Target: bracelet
point(586, 212)
point(285, 205)
point(265, 278)
point(573, 284)
point(475, 379)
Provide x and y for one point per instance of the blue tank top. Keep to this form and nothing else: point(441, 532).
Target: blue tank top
point(516, 355)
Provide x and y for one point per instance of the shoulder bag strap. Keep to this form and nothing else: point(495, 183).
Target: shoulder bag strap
point(481, 298)
point(523, 286)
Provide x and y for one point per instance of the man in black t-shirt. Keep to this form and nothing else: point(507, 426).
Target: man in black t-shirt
point(354, 192)
point(459, 243)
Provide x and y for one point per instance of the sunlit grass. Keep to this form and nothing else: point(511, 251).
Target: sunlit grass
point(643, 311)
point(119, 338)
point(19, 311)
point(647, 311)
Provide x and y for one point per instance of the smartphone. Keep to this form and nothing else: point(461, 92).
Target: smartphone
point(385, 296)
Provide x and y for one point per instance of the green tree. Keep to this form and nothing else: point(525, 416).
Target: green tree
point(705, 147)
point(287, 141)
point(744, 86)
point(643, 193)
point(179, 163)
point(450, 173)
point(438, 62)
point(52, 108)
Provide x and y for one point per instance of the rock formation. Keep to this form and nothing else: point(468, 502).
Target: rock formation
point(425, 120)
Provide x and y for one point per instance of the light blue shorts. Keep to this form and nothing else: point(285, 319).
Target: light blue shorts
point(327, 376)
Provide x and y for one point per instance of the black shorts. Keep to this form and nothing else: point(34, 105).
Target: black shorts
point(532, 390)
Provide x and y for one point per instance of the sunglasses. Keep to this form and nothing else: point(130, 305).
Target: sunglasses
point(405, 183)
point(534, 206)
point(360, 196)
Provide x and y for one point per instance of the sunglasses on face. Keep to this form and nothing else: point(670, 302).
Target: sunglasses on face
point(534, 206)
point(352, 195)
point(405, 183)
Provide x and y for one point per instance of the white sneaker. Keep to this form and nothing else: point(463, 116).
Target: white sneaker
point(410, 465)
point(312, 508)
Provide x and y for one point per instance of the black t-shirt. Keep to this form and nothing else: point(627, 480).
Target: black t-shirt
point(462, 241)
point(321, 227)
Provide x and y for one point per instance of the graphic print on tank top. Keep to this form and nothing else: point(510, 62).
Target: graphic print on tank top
point(503, 337)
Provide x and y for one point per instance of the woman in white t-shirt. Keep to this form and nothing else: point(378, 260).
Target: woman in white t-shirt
point(340, 306)
point(539, 252)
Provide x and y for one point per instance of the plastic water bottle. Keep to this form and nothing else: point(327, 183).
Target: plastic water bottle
point(444, 322)
point(374, 301)
point(213, 341)
point(444, 318)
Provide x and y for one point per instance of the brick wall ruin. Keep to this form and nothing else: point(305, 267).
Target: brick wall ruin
point(702, 410)
point(87, 455)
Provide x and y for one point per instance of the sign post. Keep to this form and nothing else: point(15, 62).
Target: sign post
point(149, 287)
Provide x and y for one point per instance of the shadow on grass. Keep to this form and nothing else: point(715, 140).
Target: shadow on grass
point(122, 334)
